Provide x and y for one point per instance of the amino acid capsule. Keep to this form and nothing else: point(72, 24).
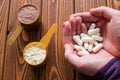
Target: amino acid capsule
point(81, 53)
point(87, 39)
point(83, 35)
point(95, 43)
point(94, 31)
point(77, 40)
point(92, 26)
point(90, 47)
point(98, 47)
point(86, 46)
point(97, 38)
point(79, 48)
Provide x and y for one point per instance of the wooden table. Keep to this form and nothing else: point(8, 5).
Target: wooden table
point(12, 64)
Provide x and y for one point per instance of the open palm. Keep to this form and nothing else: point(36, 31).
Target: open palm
point(108, 21)
point(85, 64)
point(109, 25)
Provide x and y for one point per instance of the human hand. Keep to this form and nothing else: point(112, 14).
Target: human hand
point(85, 64)
point(108, 21)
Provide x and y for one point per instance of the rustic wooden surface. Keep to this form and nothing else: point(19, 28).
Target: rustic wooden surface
point(12, 64)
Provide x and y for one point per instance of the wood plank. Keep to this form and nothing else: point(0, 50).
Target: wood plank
point(66, 8)
point(86, 5)
point(119, 5)
point(15, 67)
point(4, 11)
point(113, 4)
point(56, 11)
point(83, 6)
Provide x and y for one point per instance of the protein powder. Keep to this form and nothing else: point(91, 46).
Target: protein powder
point(28, 14)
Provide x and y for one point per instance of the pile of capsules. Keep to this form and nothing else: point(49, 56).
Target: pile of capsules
point(90, 42)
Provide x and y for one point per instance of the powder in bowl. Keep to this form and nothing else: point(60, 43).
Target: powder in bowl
point(28, 14)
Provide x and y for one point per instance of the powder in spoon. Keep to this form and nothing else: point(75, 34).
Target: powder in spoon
point(34, 55)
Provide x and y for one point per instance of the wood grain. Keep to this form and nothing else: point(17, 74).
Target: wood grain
point(56, 11)
point(118, 1)
point(85, 5)
point(66, 8)
point(113, 4)
point(4, 11)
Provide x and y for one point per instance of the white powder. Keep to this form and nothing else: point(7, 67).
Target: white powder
point(35, 55)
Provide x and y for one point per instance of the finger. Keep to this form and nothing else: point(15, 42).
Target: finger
point(86, 16)
point(101, 24)
point(78, 24)
point(87, 24)
point(71, 56)
point(73, 25)
point(103, 11)
point(84, 28)
point(67, 32)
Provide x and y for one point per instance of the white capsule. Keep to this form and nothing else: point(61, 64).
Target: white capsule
point(77, 40)
point(78, 36)
point(94, 31)
point(92, 26)
point(90, 47)
point(86, 45)
point(95, 43)
point(97, 38)
point(87, 39)
point(98, 34)
point(98, 47)
point(77, 47)
point(83, 35)
point(81, 53)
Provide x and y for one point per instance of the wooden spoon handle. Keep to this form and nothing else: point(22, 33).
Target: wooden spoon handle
point(46, 39)
point(15, 34)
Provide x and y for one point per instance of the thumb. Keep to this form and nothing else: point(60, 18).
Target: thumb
point(105, 12)
point(71, 55)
